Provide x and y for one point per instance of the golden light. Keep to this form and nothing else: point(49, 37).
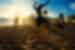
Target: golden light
point(17, 9)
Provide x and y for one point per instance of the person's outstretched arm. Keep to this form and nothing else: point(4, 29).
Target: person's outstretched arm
point(35, 5)
point(42, 5)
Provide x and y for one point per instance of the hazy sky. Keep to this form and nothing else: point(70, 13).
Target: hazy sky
point(24, 7)
point(12, 8)
point(15, 7)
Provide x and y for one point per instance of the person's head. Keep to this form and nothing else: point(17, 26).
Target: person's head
point(45, 13)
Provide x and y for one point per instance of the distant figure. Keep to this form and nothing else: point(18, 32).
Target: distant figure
point(61, 21)
point(16, 20)
point(61, 16)
point(38, 9)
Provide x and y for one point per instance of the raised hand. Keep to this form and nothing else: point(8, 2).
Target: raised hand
point(45, 3)
point(36, 5)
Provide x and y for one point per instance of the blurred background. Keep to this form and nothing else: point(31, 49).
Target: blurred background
point(18, 28)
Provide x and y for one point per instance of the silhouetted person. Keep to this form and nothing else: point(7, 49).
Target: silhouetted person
point(61, 21)
point(61, 17)
point(38, 9)
point(43, 20)
point(16, 21)
point(73, 17)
